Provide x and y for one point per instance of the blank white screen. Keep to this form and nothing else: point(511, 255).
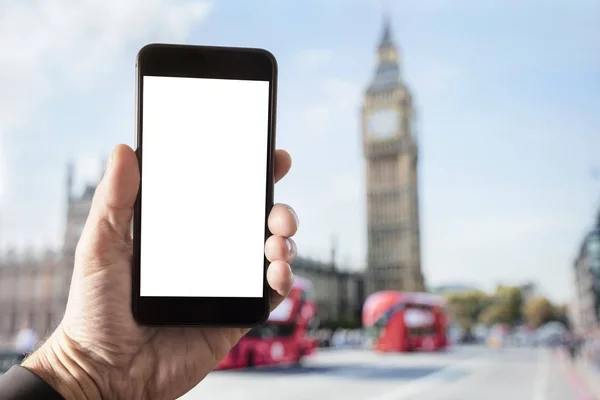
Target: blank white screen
point(204, 174)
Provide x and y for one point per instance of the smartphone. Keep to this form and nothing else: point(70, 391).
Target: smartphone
point(205, 139)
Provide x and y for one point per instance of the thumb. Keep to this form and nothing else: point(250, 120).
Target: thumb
point(108, 227)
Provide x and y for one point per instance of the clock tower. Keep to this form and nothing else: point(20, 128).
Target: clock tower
point(391, 155)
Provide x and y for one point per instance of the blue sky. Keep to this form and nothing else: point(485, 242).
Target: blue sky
point(507, 96)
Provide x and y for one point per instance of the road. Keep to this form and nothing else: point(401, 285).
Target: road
point(463, 373)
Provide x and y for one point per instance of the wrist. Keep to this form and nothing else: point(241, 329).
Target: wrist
point(58, 367)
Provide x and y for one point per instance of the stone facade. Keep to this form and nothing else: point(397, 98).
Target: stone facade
point(585, 309)
point(339, 294)
point(34, 287)
point(30, 292)
point(391, 153)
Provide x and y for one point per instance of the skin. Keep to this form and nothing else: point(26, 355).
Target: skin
point(98, 351)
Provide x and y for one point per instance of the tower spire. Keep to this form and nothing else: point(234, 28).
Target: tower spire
point(386, 37)
point(387, 74)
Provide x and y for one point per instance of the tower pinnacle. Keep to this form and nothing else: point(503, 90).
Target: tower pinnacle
point(386, 37)
point(387, 74)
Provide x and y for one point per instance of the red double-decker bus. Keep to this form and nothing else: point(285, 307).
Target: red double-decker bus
point(287, 336)
point(403, 321)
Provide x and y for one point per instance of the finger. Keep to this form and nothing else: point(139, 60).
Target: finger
point(283, 220)
point(280, 248)
point(281, 279)
point(112, 206)
point(283, 163)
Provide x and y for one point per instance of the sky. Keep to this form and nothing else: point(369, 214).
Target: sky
point(507, 94)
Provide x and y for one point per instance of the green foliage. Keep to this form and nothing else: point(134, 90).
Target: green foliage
point(538, 311)
point(465, 307)
point(561, 314)
point(505, 305)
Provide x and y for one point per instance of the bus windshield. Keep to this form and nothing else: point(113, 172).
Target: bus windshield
point(283, 312)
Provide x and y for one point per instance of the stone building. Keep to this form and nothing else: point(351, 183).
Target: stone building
point(339, 294)
point(391, 154)
point(585, 309)
point(34, 287)
point(29, 284)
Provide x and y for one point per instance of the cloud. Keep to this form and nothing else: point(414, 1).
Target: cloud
point(49, 47)
point(54, 55)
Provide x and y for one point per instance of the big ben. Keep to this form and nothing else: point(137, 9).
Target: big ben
point(391, 157)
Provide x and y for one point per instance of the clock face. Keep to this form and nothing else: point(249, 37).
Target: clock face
point(383, 122)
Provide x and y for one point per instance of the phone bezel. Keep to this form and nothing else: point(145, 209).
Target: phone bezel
point(202, 62)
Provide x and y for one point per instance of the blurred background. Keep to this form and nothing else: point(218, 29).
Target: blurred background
point(446, 175)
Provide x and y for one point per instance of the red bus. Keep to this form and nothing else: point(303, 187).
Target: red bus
point(403, 321)
point(287, 336)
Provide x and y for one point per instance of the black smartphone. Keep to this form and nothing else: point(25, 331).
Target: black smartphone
point(205, 141)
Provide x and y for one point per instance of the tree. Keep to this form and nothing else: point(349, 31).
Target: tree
point(538, 310)
point(505, 306)
point(465, 307)
point(561, 314)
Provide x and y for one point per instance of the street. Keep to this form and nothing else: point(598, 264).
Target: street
point(462, 373)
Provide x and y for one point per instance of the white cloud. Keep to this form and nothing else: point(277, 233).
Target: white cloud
point(49, 47)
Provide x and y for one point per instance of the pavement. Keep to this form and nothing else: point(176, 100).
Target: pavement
point(463, 373)
point(590, 376)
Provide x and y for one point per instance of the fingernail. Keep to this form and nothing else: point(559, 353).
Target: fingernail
point(292, 249)
point(294, 215)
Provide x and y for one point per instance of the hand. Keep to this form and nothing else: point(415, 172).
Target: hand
point(98, 351)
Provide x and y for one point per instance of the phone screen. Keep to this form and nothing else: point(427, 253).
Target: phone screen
point(204, 177)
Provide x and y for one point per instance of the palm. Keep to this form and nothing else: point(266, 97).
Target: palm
point(190, 355)
point(175, 358)
point(135, 361)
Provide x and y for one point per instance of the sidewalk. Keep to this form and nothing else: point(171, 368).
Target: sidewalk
point(584, 379)
point(591, 376)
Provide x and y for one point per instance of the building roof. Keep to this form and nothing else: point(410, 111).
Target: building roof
point(387, 74)
point(386, 36)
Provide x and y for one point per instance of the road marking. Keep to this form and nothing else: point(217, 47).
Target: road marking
point(434, 379)
point(540, 382)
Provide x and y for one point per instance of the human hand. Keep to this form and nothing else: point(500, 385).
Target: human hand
point(98, 350)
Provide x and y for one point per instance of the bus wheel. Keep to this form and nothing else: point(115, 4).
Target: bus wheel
point(298, 360)
point(250, 360)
